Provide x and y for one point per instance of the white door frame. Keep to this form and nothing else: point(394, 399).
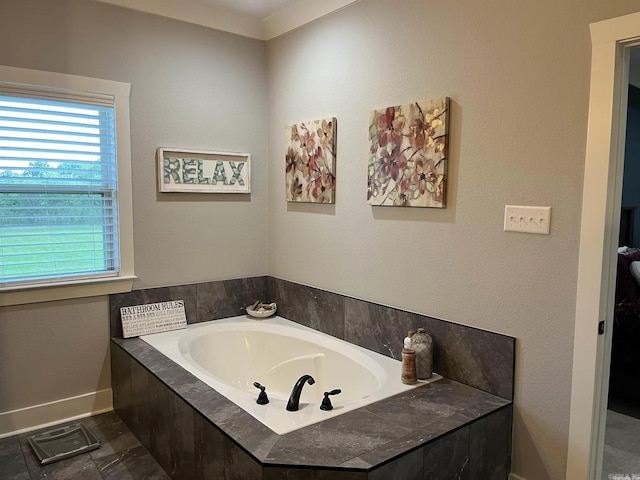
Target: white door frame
point(601, 200)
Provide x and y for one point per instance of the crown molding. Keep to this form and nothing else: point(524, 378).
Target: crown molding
point(298, 14)
point(279, 23)
point(198, 14)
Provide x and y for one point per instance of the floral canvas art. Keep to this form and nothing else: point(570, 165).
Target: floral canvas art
point(408, 155)
point(311, 161)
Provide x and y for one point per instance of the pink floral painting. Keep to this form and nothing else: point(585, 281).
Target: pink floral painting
point(311, 161)
point(408, 161)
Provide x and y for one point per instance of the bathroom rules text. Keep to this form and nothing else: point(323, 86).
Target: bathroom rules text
point(153, 318)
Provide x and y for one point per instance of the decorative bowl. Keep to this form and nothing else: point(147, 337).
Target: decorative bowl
point(263, 310)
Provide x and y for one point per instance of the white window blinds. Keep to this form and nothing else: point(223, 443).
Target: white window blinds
point(58, 186)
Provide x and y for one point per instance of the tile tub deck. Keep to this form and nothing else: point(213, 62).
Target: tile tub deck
point(194, 432)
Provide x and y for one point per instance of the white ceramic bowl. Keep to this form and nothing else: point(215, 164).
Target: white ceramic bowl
point(262, 313)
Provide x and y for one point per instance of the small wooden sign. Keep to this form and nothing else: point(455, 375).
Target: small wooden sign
point(153, 318)
point(198, 171)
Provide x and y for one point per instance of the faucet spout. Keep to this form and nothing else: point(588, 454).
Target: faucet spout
point(294, 399)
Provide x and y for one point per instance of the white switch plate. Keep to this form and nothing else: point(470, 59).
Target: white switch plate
point(527, 219)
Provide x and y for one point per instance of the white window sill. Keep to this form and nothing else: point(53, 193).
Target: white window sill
point(50, 292)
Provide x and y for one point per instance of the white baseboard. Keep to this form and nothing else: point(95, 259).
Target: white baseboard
point(513, 476)
point(46, 414)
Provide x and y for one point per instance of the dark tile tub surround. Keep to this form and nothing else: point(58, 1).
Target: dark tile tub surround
point(459, 427)
point(202, 301)
point(312, 307)
point(196, 433)
point(481, 359)
point(475, 357)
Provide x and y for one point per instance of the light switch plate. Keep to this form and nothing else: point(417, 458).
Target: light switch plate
point(527, 219)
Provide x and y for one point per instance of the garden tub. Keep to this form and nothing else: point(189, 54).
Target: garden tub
point(231, 354)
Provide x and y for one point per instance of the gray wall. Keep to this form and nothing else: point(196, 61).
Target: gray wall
point(192, 87)
point(518, 77)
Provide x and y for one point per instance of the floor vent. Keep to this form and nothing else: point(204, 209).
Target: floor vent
point(63, 442)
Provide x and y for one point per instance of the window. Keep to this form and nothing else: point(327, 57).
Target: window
point(65, 194)
point(57, 190)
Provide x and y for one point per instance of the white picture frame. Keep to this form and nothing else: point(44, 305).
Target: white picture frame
point(203, 171)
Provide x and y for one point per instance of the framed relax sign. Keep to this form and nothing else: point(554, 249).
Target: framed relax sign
point(198, 171)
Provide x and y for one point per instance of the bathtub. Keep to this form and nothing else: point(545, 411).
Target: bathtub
point(231, 354)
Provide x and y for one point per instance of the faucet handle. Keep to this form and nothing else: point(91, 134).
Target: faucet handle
point(262, 397)
point(326, 403)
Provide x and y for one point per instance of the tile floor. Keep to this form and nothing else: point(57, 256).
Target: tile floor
point(121, 456)
point(621, 459)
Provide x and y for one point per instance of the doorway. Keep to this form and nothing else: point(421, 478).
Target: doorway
point(611, 41)
point(621, 456)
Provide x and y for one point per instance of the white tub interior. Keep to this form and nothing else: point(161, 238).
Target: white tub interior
point(231, 354)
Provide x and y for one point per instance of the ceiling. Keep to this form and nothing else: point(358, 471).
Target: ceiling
point(253, 8)
point(261, 19)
